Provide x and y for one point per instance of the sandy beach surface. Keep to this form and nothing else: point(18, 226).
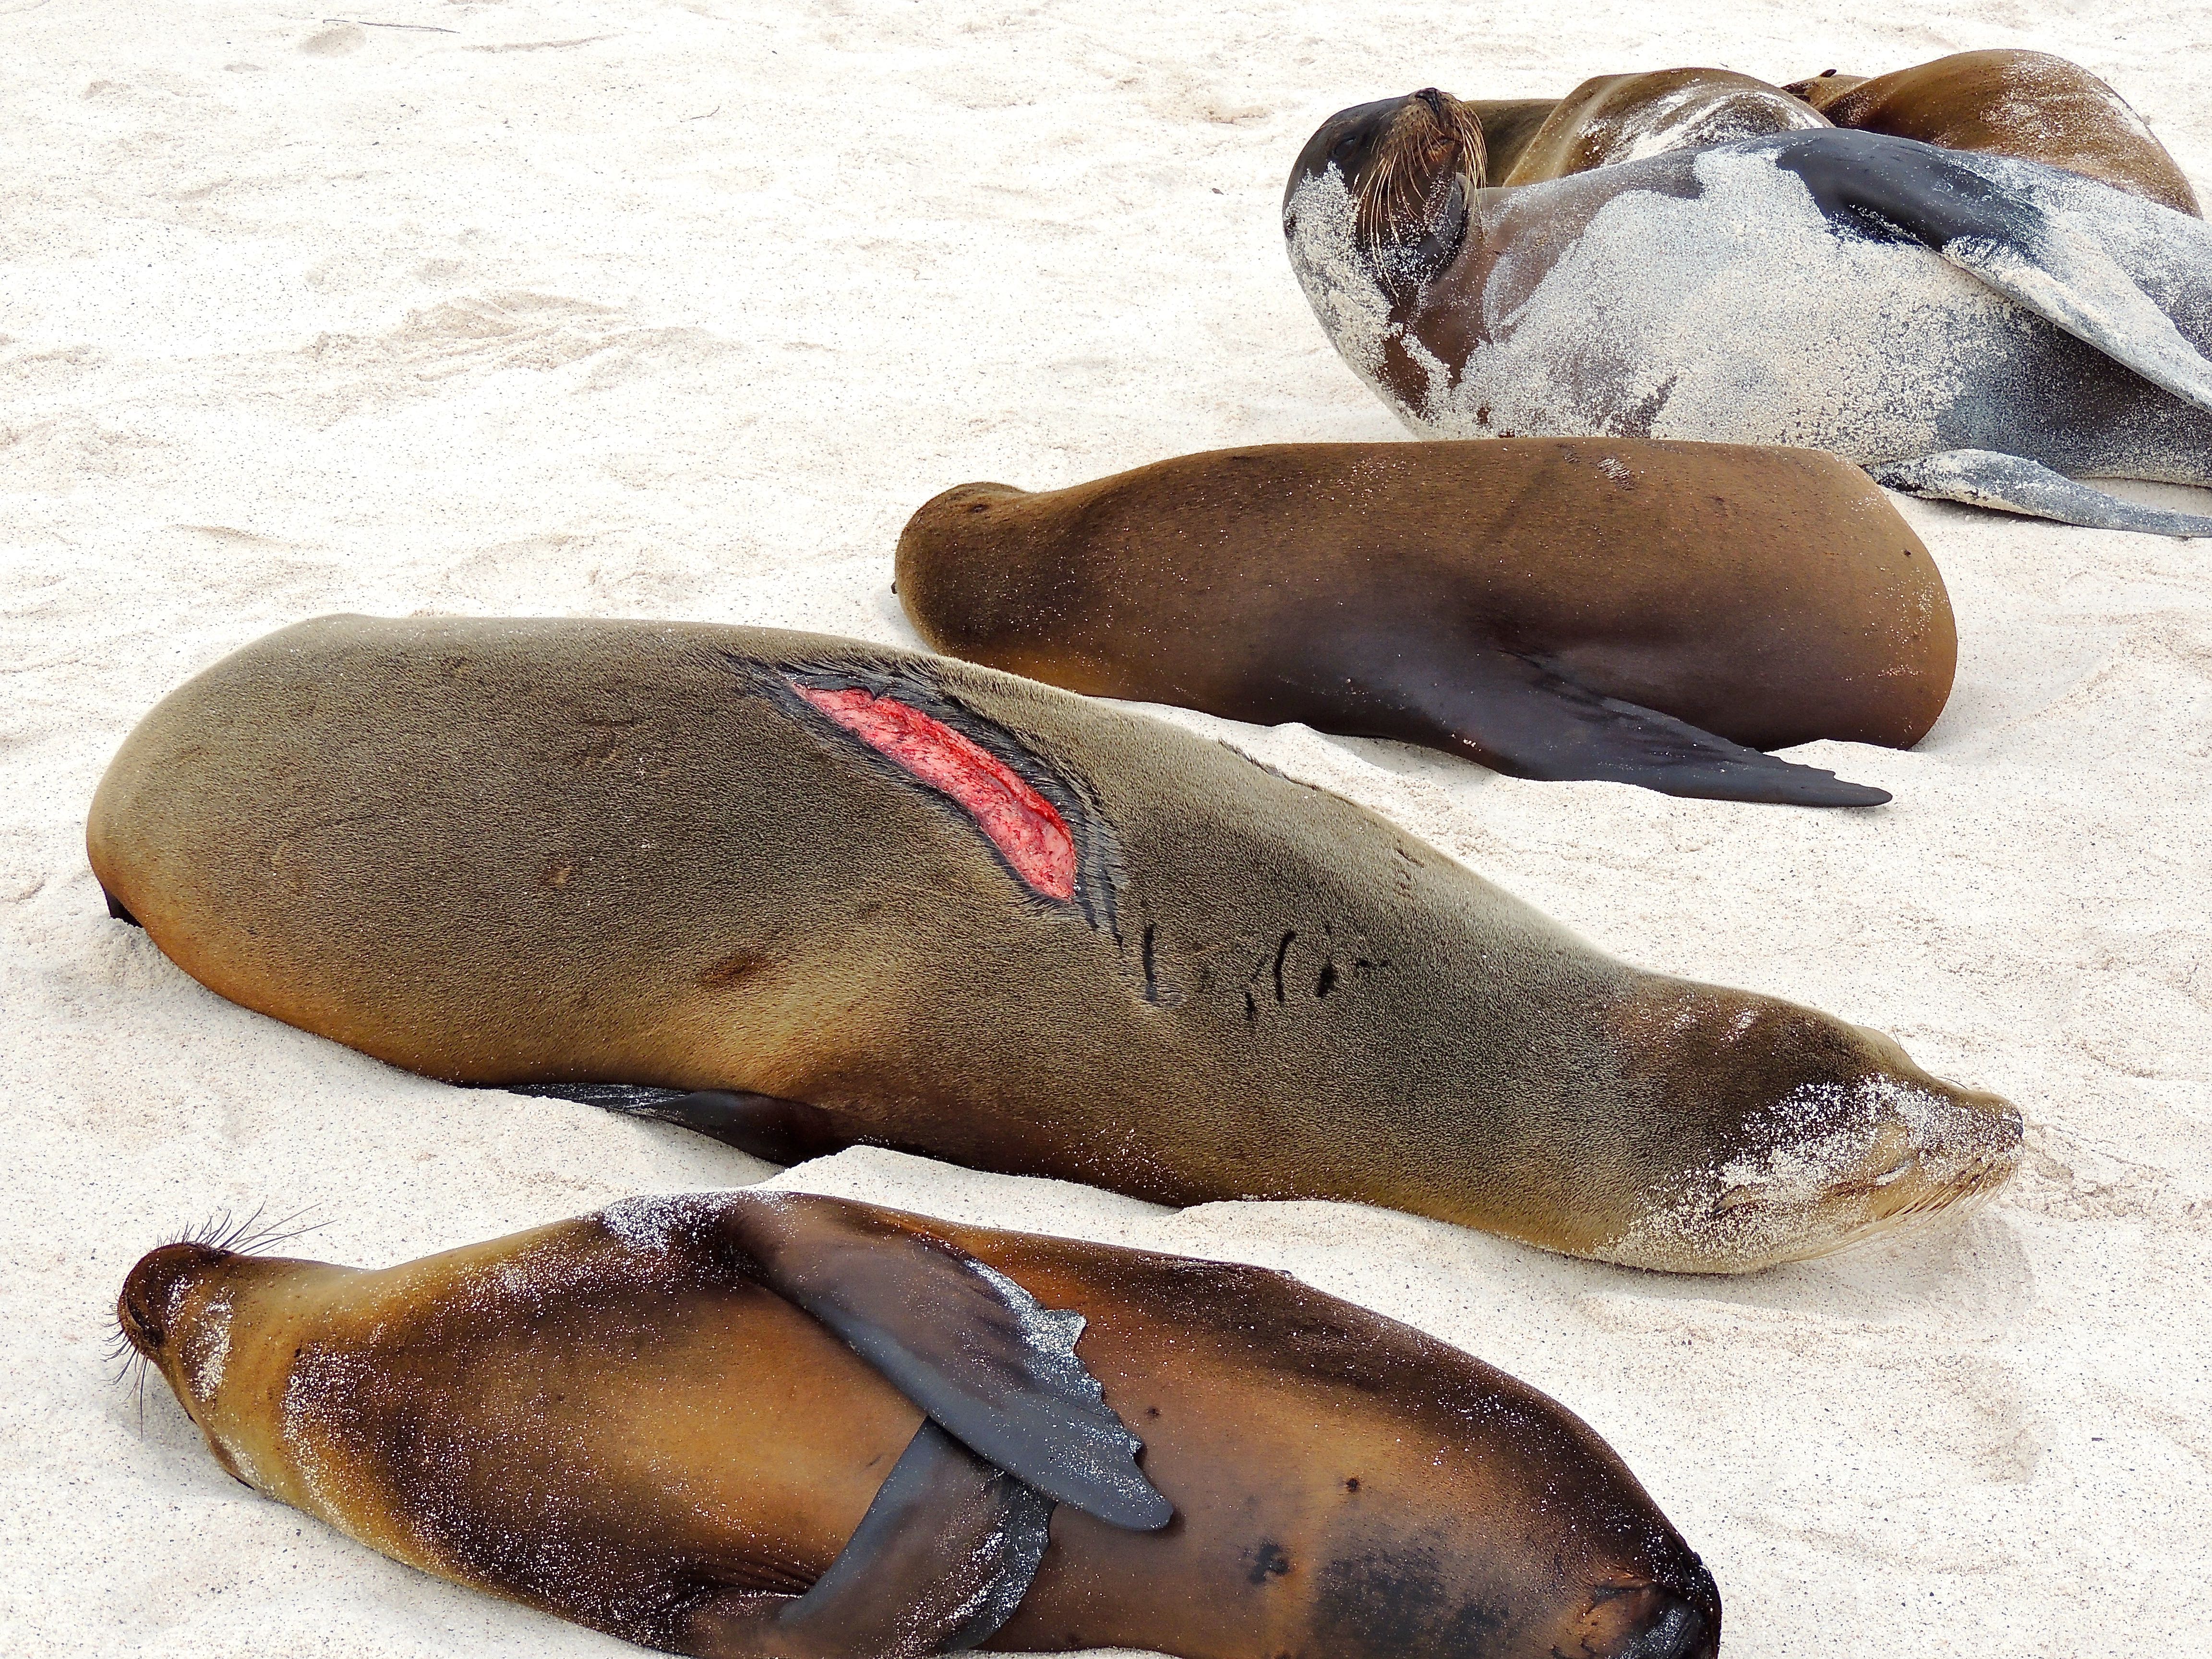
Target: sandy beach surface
point(559, 307)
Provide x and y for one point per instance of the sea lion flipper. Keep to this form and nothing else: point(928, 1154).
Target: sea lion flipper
point(1530, 721)
point(1981, 218)
point(2013, 483)
point(781, 1131)
point(940, 1560)
point(972, 1348)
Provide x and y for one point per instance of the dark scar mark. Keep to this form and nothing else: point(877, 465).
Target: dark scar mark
point(1268, 1561)
point(1325, 981)
point(1152, 976)
point(1282, 950)
point(731, 968)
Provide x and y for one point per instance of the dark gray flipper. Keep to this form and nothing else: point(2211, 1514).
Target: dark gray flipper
point(781, 1131)
point(1972, 211)
point(1521, 719)
point(941, 1559)
point(2012, 484)
point(966, 1344)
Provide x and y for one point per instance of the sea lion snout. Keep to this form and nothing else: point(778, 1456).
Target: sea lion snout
point(1816, 1134)
point(1651, 1621)
point(1407, 167)
point(146, 1309)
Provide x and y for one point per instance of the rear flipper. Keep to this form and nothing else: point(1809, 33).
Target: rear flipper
point(1995, 218)
point(781, 1131)
point(941, 1559)
point(965, 1343)
point(2013, 483)
point(1519, 718)
point(978, 1353)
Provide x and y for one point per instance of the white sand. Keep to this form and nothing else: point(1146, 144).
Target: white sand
point(662, 309)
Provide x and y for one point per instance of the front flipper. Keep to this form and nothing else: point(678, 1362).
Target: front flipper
point(781, 1131)
point(1519, 718)
point(1949, 201)
point(941, 1559)
point(966, 1344)
point(2013, 483)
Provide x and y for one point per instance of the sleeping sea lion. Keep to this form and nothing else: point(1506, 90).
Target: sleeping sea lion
point(800, 892)
point(1610, 118)
point(752, 1423)
point(2024, 104)
point(1654, 613)
point(1966, 325)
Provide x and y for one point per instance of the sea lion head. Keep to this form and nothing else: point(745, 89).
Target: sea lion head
point(1390, 182)
point(1792, 1135)
point(185, 1309)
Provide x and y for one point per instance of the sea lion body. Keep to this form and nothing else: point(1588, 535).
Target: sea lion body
point(667, 1420)
point(1485, 598)
point(2028, 105)
point(945, 908)
point(1964, 324)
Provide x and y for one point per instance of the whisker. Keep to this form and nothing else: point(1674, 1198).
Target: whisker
point(282, 1231)
point(245, 1235)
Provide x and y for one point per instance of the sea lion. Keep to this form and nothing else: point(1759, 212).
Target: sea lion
point(762, 1424)
point(1654, 613)
point(2024, 104)
point(1966, 325)
point(852, 894)
point(1507, 125)
point(1610, 118)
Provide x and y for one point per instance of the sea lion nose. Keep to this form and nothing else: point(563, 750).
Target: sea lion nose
point(150, 1293)
point(1434, 99)
point(1678, 1618)
point(1680, 1631)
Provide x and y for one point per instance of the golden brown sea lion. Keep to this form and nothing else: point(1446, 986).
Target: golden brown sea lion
point(1610, 118)
point(1507, 125)
point(1653, 613)
point(859, 895)
point(1794, 288)
point(750, 1423)
point(2025, 104)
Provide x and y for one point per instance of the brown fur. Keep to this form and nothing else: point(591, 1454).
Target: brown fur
point(2028, 105)
point(619, 1432)
point(1508, 126)
point(1618, 118)
point(2024, 104)
point(516, 852)
point(1772, 596)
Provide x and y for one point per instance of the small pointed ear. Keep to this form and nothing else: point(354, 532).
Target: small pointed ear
point(997, 1371)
